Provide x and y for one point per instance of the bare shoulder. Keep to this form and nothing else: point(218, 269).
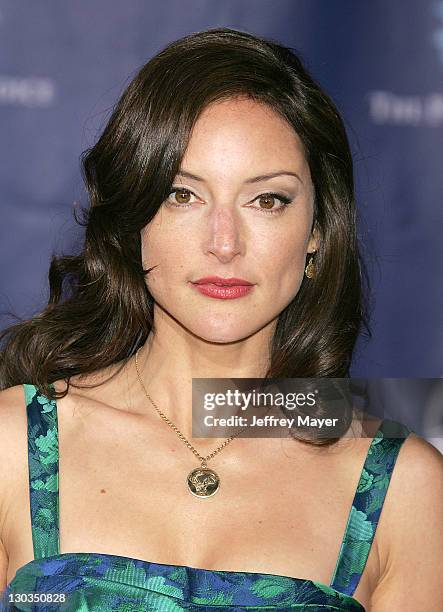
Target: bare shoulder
point(12, 427)
point(13, 446)
point(13, 440)
point(411, 531)
point(418, 470)
point(9, 398)
point(416, 488)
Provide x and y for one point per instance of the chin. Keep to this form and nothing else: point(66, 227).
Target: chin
point(222, 334)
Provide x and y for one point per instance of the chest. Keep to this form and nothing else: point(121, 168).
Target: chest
point(258, 519)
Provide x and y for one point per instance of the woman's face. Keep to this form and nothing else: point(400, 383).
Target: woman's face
point(221, 220)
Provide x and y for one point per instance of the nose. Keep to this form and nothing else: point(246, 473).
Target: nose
point(223, 237)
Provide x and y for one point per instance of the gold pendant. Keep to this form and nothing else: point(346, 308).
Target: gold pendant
point(203, 482)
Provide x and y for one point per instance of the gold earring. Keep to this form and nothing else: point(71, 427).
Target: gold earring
point(310, 268)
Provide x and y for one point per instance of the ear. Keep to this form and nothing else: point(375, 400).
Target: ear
point(314, 241)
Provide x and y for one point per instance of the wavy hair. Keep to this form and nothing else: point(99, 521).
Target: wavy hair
point(100, 311)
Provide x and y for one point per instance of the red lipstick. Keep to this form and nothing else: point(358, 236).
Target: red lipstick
point(219, 280)
point(223, 288)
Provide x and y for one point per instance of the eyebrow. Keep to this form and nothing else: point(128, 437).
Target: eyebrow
point(254, 179)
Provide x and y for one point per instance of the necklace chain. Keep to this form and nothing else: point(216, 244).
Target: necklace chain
point(177, 431)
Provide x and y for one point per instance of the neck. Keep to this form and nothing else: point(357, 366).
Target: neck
point(171, 357)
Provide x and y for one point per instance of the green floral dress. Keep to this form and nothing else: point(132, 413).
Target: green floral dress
point(97, 582)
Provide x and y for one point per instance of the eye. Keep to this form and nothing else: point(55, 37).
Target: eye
point(268, 202)
point(181, 197)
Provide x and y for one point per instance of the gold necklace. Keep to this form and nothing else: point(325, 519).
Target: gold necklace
point(202, 481)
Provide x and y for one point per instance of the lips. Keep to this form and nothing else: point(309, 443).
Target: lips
point(222, 282)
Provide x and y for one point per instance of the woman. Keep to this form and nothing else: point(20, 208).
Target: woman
point(222, 158)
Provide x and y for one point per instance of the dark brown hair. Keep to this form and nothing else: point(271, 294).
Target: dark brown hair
point(100, 311)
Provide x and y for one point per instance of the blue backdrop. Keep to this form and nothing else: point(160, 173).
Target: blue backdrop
point(63, 66)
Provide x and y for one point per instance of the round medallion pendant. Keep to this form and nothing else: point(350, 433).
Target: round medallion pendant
point(203, 482)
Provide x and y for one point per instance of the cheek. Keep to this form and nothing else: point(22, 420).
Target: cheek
point(282, 254)
point(284, 270)
point(161, 255)
point(162, 247)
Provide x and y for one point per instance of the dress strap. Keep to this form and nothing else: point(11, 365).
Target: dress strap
point(367, 505)
point(43, 467)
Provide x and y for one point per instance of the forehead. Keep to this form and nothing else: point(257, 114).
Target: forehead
point(246, 132)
